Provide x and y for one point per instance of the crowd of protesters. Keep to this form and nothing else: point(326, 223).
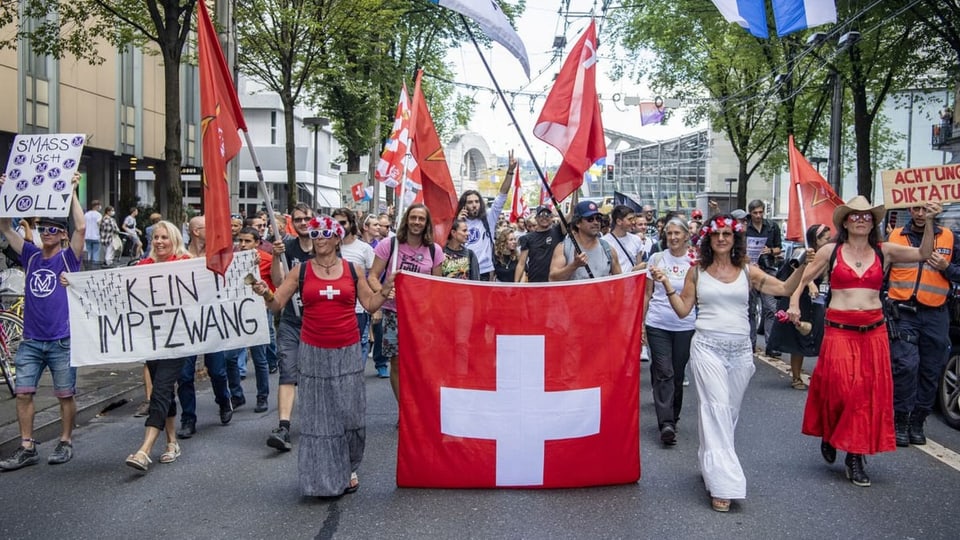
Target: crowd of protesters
point(713, 285)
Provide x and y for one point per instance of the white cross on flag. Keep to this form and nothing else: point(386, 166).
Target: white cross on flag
point(519, 386)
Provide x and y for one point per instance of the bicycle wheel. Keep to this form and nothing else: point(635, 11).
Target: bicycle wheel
point(11, 334)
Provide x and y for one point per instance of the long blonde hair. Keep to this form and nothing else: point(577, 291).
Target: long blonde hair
point(179, 250)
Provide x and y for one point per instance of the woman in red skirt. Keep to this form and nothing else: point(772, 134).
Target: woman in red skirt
point(850, 402)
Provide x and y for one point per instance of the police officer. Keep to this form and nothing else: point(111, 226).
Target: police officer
point(920, 349)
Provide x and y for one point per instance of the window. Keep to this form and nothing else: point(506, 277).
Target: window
point(273, 127)
point(36, 110)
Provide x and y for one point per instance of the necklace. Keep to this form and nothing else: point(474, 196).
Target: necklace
point(325, 266)
point(858, 264)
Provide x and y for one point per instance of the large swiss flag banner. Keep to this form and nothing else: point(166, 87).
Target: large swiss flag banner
point(520, 385)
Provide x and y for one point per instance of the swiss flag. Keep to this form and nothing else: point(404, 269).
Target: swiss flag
point(535, 387)
point(810, 193)
point(518, 210)
point(357, 191)
point(570, 119)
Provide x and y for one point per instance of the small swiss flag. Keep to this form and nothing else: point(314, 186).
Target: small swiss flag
point(357, 191)
point(534, 387)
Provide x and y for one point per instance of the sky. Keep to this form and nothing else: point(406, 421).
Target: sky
point(538, 26)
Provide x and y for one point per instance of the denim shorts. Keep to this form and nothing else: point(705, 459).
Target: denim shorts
point(34, 355)
point(389, 346)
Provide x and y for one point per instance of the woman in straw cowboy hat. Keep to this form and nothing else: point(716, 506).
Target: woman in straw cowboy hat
point(850, 402)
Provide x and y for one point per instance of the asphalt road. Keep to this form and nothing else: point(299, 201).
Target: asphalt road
point(229, 484)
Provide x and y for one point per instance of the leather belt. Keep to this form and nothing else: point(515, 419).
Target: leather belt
point(854, 328)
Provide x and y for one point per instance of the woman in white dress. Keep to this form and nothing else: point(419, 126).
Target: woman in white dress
point(721, 358)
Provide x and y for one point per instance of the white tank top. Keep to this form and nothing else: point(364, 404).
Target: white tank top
point(723, 307)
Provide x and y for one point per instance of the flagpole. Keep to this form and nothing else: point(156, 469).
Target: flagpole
point(516, 125)
point(803, 216)
point(266, 200)
point(400, 209)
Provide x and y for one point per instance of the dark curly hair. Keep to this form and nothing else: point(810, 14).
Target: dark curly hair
point(738, 255)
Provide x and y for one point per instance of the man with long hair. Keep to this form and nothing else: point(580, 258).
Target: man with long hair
point(482, 223)
point(413, 250)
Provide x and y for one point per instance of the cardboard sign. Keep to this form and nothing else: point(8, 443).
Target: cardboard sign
point(164, 310)
point(39, 173)
point(905, 188)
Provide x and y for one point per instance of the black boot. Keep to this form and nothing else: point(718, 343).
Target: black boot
point(901, 424)
point(855, 470)
point(916, 429)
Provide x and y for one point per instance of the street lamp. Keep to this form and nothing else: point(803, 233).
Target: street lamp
point(729, 182)
point(316, 123)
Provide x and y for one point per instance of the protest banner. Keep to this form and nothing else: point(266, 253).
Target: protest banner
point(38, 175)
point(165, 310)
point(904, 188)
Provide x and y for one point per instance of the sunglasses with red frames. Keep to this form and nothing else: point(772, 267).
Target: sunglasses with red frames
point(867, 218)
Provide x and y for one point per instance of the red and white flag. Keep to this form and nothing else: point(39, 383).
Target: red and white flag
point(544, 194)
point(809, 193)
point(519, 208)
point(390, 168)
point(358, 192)
point(220, 120)
point(570, 119)
point(505, 393)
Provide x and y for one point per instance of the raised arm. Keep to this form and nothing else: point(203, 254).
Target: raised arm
point(79, 223)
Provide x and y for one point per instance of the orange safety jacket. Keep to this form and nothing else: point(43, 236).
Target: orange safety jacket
point(931, 286)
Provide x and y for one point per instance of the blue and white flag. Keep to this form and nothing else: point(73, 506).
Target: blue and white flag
point(750, 14)
point(494, 22)
point(795, 15)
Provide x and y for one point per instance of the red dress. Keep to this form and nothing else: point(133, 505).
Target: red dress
point(850, 400)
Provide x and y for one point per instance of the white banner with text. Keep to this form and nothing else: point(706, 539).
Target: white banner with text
point(38, 175)
point(165, 310)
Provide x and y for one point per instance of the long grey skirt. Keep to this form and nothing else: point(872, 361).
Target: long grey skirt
point(331, 406)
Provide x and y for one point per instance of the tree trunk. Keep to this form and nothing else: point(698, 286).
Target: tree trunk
point(353, 161)
point(862, 124)
point(742, 177)
point(291, 152)
point(168, 176)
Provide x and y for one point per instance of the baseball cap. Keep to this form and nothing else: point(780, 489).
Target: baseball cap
point(585, 209)
point(543, 210)
point(696, 214)
point(739, 214)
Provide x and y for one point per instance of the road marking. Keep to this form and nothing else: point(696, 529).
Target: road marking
point(937, 451)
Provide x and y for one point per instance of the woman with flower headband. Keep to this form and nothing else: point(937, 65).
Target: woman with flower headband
point(332, 397)
point(721, 357)
point(668, 335)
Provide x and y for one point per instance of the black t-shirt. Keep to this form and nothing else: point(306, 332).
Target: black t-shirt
point(770, 231)
point(294, 254)
point(539, 246)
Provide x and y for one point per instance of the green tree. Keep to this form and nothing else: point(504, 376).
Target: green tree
point(161, 26)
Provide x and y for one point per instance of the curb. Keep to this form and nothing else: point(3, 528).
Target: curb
point(46, 422)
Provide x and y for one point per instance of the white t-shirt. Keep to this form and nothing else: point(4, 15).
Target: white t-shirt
point(92, 219)
point(360, 253)
point(628, 248)
point(659, 312)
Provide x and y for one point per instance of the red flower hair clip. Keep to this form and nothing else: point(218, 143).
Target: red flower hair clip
point(326, 223)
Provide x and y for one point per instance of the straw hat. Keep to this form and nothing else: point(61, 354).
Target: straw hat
point(857, 204)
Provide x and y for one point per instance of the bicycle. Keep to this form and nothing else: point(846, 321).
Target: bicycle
point(11, 335)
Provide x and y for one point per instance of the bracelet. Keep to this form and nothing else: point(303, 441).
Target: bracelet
point(671, 293)
point(268, 296)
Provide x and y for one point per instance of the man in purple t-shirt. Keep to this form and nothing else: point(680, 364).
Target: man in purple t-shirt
point(46, 330)
point(417, 253)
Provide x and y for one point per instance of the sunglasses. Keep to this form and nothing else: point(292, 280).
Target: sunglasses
point(49, 230)
point(866, 218)
point(591, 219)
point(236, 216)
point(322, 233)
point(722, 234)
point(301, 219)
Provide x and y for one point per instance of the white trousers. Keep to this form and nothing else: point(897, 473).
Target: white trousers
point(722, 365)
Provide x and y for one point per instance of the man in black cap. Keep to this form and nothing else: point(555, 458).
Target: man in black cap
point(46, 329)
point(567, 264)
point(536, 247)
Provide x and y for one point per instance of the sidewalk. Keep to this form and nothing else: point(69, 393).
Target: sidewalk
point(98, 387)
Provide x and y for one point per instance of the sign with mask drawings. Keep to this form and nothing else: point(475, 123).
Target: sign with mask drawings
point(38, 175)
point(164, 310)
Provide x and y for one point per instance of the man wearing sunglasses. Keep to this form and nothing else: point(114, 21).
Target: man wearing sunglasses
point(567, 264)
point(46, 329)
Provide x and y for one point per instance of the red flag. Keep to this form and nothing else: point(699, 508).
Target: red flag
point(518, 210)
point(220, 118)
point(538, 399)
point(544, 194)
point(431, 170)
point(570, 119)
point(818, 201)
